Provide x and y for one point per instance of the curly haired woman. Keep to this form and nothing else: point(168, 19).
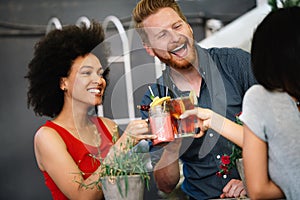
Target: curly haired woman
point(67, 80)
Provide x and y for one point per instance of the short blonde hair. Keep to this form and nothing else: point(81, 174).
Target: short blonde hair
point(146, 8)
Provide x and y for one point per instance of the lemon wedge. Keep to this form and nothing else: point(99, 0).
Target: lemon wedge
point(159, 101)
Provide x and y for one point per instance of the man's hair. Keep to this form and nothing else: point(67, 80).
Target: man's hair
point(146, 8)
point(53, 57)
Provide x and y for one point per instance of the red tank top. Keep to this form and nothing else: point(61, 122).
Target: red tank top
point(81, 153)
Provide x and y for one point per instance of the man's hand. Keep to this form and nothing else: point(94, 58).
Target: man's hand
point(234, 188)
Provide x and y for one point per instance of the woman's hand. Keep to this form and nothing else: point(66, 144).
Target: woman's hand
point(204, 119)
point(137, 130)
point(208, 119)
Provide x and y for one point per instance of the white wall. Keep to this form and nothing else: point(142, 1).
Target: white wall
point(239, 32)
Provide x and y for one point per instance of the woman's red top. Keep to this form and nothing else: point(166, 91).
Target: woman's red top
point(82, 154)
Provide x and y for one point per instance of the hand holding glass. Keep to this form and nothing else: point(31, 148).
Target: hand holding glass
point(182, 127)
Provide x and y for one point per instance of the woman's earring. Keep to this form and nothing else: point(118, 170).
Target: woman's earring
point(65, 89)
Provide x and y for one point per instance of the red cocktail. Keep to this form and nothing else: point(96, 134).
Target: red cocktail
point(160, 124)
point(182, 127)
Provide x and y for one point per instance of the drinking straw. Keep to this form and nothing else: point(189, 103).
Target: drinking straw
point(164, 106)
point(167, 91)
point(150, 90)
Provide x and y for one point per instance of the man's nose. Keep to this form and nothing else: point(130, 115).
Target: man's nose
point(175, 36)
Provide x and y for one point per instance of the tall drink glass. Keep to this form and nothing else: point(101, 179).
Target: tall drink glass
point(182, 127)
point(160, 124)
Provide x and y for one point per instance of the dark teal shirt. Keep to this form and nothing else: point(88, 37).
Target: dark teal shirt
point(227, 75)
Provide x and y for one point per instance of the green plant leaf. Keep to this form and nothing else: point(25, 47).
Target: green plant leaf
point(124, 164)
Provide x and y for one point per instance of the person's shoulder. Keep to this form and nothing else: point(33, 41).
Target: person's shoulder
point(47, 134)
point(235, 61)
point(233, 51)
point(110, 124)
point(108, 121)
point(256, 93)
point(257, 88)
point(47, 128)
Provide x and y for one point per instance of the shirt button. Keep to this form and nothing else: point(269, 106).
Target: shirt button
point(211, 135)
point(224, 176)
point(218, 156)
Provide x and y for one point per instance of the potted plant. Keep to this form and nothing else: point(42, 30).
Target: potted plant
point(124, 173)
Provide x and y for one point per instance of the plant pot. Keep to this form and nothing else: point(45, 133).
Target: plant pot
point(115, 187)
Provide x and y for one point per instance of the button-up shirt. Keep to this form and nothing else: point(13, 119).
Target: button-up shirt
point(226, 75)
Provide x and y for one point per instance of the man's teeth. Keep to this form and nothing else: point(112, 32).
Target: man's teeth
point(178, 48)
point(94, 90)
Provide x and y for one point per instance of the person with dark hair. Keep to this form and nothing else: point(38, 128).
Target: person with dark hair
point(271, 109)
point(66, 81)
point(218, 76)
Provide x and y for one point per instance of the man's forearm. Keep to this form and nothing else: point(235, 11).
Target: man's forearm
point(167, 172)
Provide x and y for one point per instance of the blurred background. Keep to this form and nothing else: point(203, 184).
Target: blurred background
point(24, 22)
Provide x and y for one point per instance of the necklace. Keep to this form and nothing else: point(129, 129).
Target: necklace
point(96, 141)
point(89, 135)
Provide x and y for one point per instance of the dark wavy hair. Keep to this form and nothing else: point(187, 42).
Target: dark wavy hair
point(53, 57)
point(275, 51)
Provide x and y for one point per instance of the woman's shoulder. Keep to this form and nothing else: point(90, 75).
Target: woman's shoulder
point(107, 121)
point(47, 142)
point(256, 90)
point(110, 124)
point(47, 132)
point(256, 96)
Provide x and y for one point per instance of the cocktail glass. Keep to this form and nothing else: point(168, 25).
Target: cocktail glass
point(160, 124)
point(182, 127)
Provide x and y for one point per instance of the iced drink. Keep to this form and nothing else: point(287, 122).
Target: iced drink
point(182, 127)
point(160, 124)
